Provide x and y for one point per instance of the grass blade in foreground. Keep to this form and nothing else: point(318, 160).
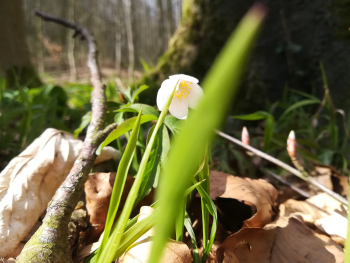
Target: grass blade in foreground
point(109, 253)
point(119, 182)
point(219, 86)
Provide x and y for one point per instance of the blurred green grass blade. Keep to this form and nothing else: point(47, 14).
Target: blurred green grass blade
point(85, 120)
point(113, 243)
point(122, 129)
point(188, 225)
point(220, 86)
point(180, 220)
point(146, 109)
point(119, 182)
point(298, 105)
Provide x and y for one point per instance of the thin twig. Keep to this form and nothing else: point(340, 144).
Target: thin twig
point(50, 242)
point(286, 167)
point(283, 181)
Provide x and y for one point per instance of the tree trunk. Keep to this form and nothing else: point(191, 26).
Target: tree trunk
point(129, 33)
point(170, 15)
point(71, 44)
point(118, 39)
point(14, 54)
point(161, 26)
point(39, 35)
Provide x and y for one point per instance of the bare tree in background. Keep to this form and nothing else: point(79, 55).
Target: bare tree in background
point(161, 26)
point(70, 43)
point(118, 38)
point(14, 53)
point(129, 33)
point(170, 16)
point(39, 34)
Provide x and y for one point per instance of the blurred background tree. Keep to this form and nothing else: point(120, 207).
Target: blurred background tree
point(14, 54)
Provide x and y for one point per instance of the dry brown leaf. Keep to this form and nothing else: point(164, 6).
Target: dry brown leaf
point(285, 240)
point(98, 191)
point(29, 182)
point(259, 193)
point(326, 213)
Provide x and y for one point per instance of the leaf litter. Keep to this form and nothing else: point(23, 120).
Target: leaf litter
point(312, 230)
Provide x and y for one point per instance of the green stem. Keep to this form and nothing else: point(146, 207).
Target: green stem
point(109, 254)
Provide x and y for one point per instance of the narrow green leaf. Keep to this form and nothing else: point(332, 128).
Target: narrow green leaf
point(122, 129)
point(311, 97)
point(138, 91)
point(109, 253)
point(119, 182)
point(180, 220)
point(146, 109)
point(212, 210)
point(298, 105)
point(220, 86)
point(188, 225)
point(259, 115)
point(85, 120)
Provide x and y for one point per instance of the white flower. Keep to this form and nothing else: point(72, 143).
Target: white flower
point(187, 94)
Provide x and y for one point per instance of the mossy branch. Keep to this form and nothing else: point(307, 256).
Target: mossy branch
point(50, 242)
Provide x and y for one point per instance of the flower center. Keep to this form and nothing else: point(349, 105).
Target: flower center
point(183, 90)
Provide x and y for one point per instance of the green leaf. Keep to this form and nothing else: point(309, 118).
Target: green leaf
point(119, 182)
point(109, 253)
point(268, 134)
point(85, 120)
point(127, 94)
point(212, 210)
point(122, 129)
point(188, 225)
point(259, 115)
point(146, 109)
point(188, 147)
point(173, 123)
point(298, 105)
point(138, 91)
point(119, 118)
point(311, 97)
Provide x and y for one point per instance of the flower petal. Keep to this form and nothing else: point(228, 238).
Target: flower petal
point(179, 108)
point(195, 95)
point(164, 92)
point(184, 77)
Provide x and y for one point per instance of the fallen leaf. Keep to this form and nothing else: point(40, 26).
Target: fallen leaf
point(326, 213)
point(30, 180)
point(285, 240)
point(258, 193)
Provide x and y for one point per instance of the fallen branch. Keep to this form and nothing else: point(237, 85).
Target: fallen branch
point(50, 242)
point(286, 167)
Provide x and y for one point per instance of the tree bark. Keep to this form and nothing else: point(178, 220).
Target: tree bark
point(170, 15)
point(15, 61)
point(71, 44)
point(129, 34)
point(118, 39)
